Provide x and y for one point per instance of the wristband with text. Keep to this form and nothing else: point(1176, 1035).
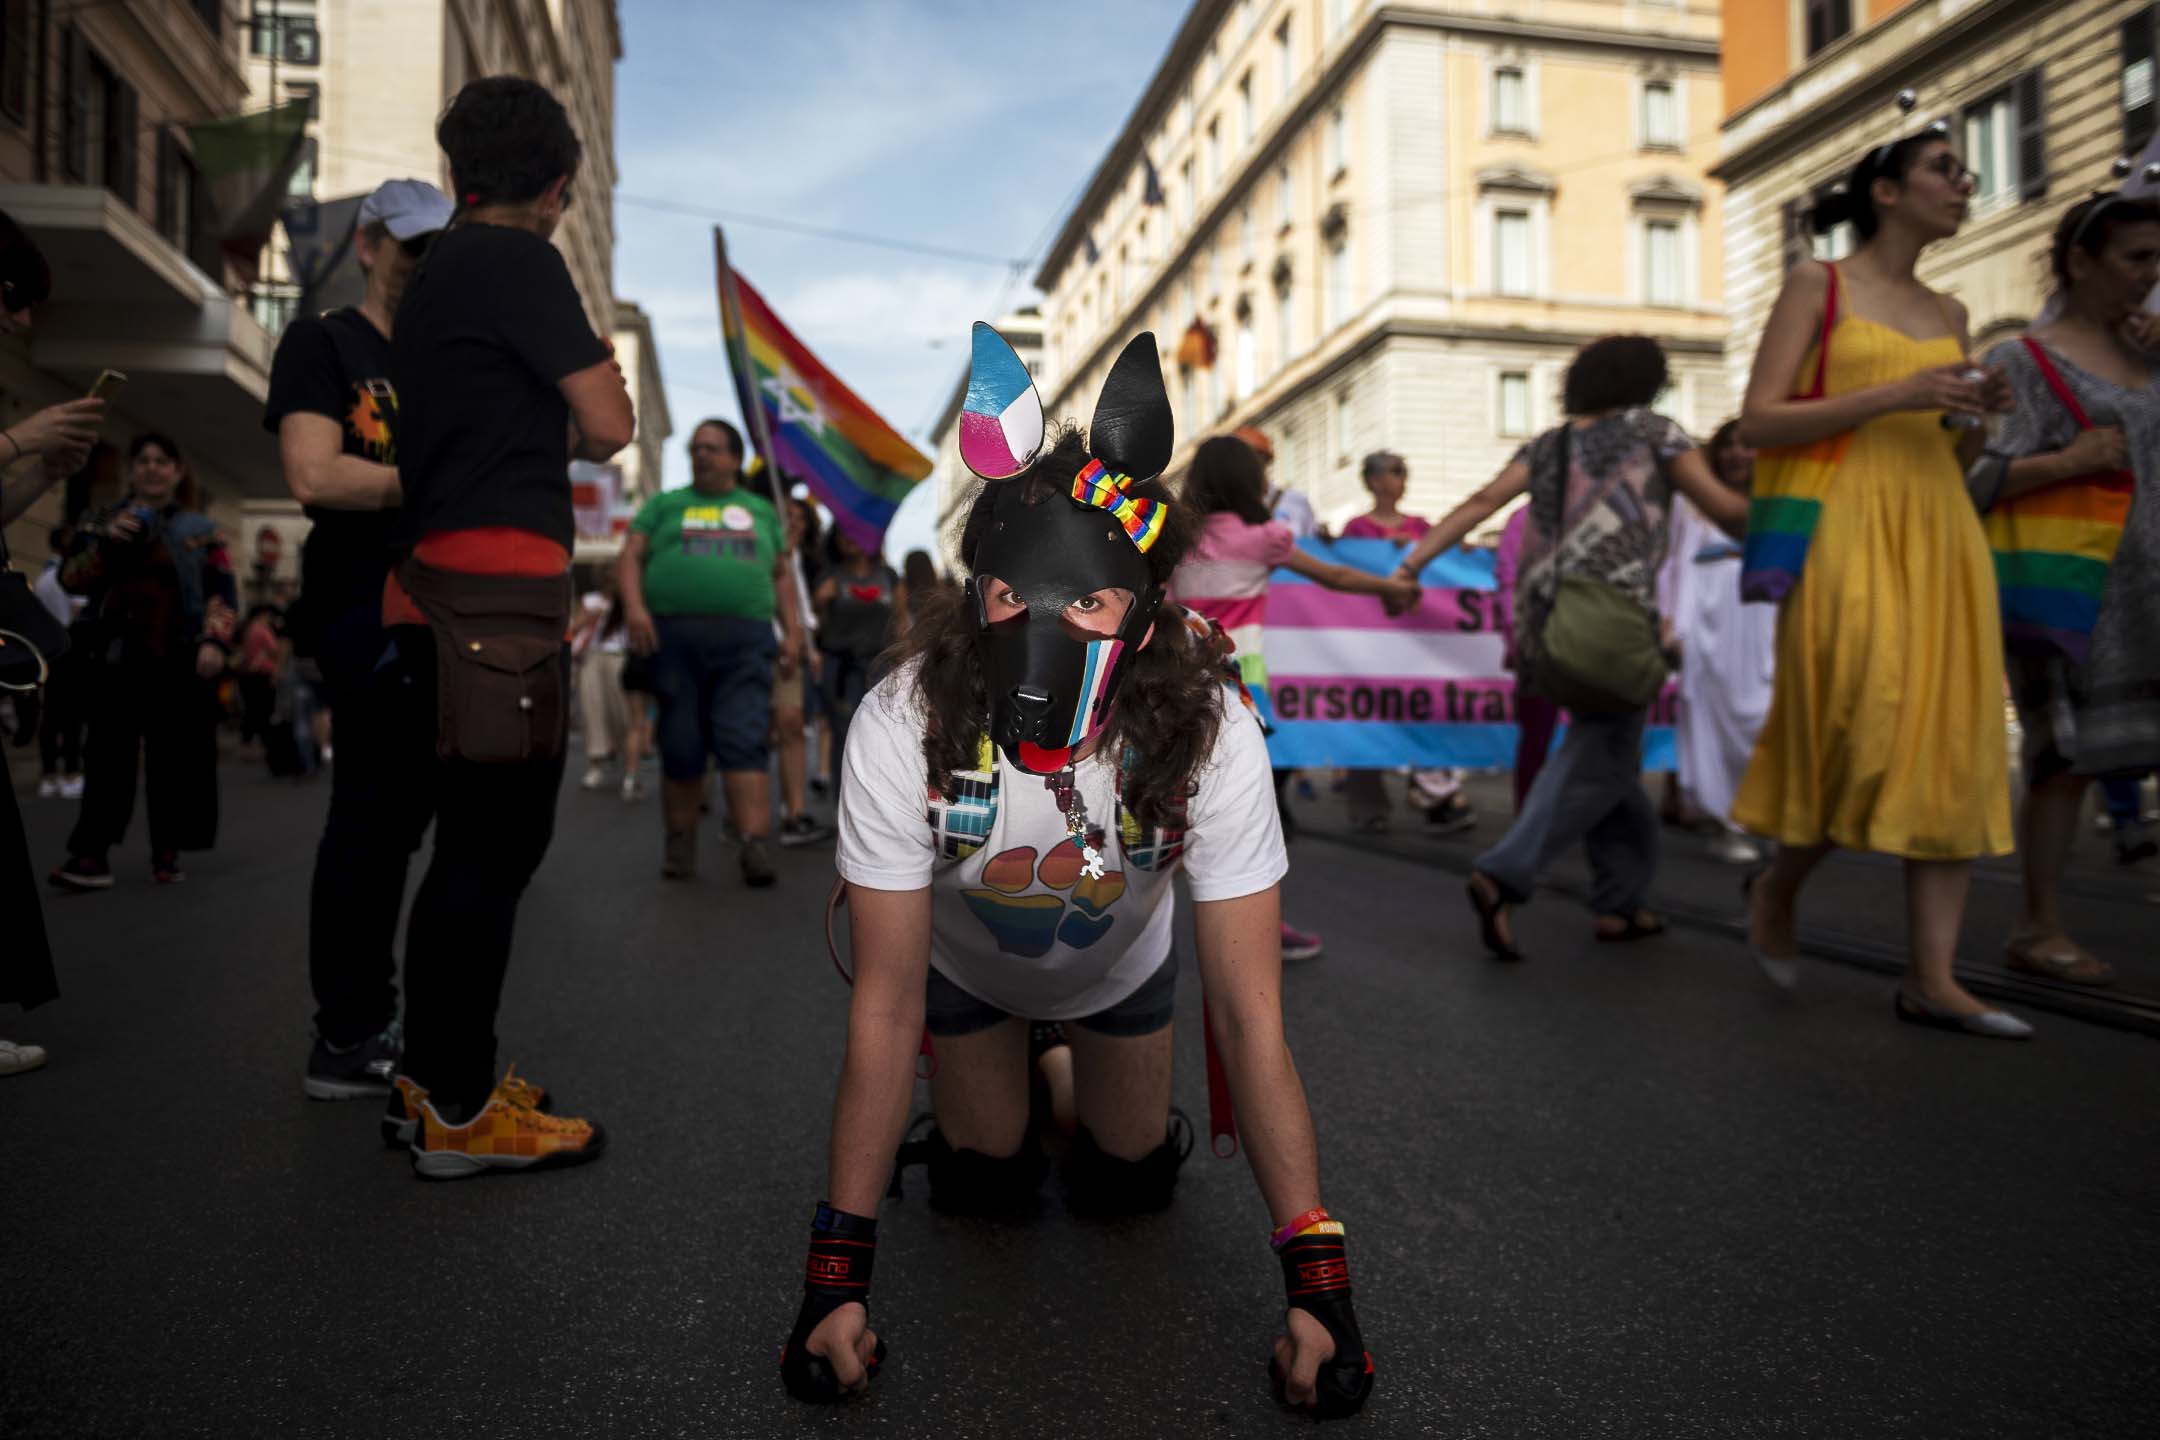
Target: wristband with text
point(843, 1250)
point(1316, 1279)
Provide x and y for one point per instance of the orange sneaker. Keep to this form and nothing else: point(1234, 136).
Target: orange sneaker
point(401, 1117)
point(506, 1134)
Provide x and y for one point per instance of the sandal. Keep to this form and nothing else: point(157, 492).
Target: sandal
point(2074, 965)
point(1632, 928)
point(1488, 914)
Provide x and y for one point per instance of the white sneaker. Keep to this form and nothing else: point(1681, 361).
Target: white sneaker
point(14, 1058)
point(1734, 849)
point(595, 778)
point(48, 788)
point(71, 787)
point(633, 789)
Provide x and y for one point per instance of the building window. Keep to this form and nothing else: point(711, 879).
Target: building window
point(15, 45)
point(1510, 101)
point(1990, 146)
point(1285, 319)
point(1191, 422)
point(1214, 271)
point(1248, 114)
point(290, 34)
point(1248, 352)
point(1185, 196)
point(2138, 51)
point(1660, 115)
point(1513, 274)
point(274, 306)
point(1338, 141)
point(1183, 123)
point(1285, 64)
point(1338, 15)
point(1664, 281)
point(1245, 235)
point(1335, 291)
point(1124, 264)
point(1210, 68)
point(1828, 21)
point(1513, 419)
point(1338, 425)
point(98, 129)
point(1805, 242)
point(1214, 151)
point(303, 175)
point(177, 192)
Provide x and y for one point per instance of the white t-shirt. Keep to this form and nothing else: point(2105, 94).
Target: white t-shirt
point(618, 643)
point(1013, 920)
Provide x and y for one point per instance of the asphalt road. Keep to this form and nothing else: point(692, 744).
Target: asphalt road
point(1612, 1192)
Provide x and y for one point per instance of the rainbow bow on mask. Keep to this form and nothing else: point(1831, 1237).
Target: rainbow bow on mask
point(1142, 518)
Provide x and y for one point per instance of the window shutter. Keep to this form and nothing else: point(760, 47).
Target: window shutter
point(2030, 103)
point(75, 111)
point(167, 217)
point(2137, 80)
point(127, 154)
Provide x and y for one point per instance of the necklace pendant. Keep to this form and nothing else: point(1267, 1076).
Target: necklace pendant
point(1092, 859)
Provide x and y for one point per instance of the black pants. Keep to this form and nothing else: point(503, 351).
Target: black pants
point(60, 724)
point(157, 709)
point(258, 699)
point(26, 968)
point(845, 682)
point(381, 800)
point(492, 828)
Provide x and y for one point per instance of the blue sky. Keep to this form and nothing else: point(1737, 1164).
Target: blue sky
point(956, 124)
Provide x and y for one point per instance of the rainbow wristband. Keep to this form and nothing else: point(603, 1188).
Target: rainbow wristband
point(1316, 1216)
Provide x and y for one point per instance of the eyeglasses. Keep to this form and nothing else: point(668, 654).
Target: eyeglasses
point(1952, 169)
point(417, 246)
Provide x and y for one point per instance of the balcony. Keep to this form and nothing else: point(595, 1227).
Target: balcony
point(125, 298)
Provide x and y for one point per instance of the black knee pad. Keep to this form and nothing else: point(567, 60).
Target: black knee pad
point(968, 1182)
point(1098, 1183)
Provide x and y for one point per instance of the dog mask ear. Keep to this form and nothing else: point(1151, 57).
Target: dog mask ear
point(1133, 431)
point(1001, 421)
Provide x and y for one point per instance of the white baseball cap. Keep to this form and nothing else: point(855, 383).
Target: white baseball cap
point(406, 208)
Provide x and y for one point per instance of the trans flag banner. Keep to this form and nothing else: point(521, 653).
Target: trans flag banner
point(1345, 685)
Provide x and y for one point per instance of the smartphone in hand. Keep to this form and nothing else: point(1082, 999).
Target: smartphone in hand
point(107, 385)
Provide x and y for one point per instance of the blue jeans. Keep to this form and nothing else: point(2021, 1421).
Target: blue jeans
point(713, 677)
point(1590, 790)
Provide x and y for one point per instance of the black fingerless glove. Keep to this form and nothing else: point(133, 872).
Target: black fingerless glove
point(1316, 1279)
point(843, 1249)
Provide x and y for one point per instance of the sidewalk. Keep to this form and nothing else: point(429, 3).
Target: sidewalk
point(1853, 910)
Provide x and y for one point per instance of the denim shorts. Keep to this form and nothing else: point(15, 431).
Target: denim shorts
point(949, 1010)
point(713, 678)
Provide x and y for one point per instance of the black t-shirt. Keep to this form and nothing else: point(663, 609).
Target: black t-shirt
point(489, 326)
point(338, 364)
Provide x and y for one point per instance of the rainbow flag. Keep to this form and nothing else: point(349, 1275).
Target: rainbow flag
point(809, 424)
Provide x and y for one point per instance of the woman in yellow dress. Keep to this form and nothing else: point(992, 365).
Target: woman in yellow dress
point(1886, 726)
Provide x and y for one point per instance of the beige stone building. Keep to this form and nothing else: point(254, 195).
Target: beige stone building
point(94, 164)
point(2042, 96)
point(381, 71)
point(1398, 222)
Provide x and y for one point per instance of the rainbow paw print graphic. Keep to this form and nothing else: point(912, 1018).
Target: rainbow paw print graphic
point(1076, 915)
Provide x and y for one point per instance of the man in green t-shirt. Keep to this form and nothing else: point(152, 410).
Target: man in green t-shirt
point(704, 572)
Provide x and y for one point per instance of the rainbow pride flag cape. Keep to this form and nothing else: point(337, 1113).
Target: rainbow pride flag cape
point(809, 424)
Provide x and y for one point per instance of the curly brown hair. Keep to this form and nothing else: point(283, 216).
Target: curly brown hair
point(1169, 706)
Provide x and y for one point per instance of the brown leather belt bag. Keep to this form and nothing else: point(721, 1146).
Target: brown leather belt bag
point(501, 682)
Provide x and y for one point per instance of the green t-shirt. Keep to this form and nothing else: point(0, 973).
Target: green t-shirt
point(710, 554)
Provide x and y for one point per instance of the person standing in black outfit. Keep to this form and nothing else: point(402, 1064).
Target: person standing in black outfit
point(501, 382)
point(159, 580)
point(59, 436)
point(334, 411)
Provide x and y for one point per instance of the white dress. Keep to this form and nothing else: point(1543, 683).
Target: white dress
point(1728, 655)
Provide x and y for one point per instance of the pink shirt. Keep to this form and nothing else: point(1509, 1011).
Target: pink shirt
point(1408, 529)
point(1225, 577)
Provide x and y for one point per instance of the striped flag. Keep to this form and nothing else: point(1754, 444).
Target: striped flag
point(809, 424)
point(1344, 684)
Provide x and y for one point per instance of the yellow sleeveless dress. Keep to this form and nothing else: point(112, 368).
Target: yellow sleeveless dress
point(1886, 725)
